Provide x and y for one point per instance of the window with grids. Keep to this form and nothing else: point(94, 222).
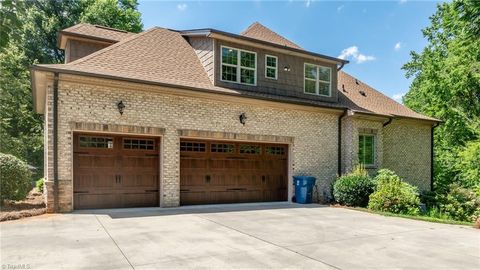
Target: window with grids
point(366, 149)
point(239, 66)
point(95, 142)
point(250, 149)
point(222, 148)
point(275, 150)
point(139, 144)
point(317, 80)
point(192, 147)
point(271, 65)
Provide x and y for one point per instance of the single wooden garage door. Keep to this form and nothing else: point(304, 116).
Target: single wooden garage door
point(232, 172)
point(115, 171)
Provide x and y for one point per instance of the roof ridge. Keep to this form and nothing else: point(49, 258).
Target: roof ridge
point(249, 27)
point(111, 28)
point(245, 32)
point(111, 47)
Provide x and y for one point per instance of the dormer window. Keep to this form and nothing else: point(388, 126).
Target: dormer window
point(271, 64)
point(239, 66)
point(317, 80)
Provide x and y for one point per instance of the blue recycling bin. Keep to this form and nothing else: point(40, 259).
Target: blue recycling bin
point(304, 188)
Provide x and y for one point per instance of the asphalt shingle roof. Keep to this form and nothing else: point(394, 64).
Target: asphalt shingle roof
point(97, 31)
point(258, 31)
point(163, 56)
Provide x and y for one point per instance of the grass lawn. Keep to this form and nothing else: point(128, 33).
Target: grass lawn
point(416, 217)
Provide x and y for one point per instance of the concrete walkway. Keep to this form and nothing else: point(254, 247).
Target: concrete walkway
point(247, 236)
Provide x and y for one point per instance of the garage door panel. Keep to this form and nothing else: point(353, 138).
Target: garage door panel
point(114, 171)
point(140, 199)
point(89, 201)
point(233, 172)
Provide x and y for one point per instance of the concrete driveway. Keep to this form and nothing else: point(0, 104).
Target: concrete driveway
point(247, 236)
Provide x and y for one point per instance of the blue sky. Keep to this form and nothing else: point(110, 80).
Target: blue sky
point(376, 36)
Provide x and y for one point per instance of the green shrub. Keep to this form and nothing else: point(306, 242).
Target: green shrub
point(468, 165)
point(460, 204)
point(39, 184)
point(15, 178)
point(393, 195)
point(353, 189)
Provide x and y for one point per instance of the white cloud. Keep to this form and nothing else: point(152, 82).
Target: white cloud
point(307, 3)
point(353, 53)
point(398, 97)
point(339, 8)
point(182, 7)
point(397, 46)
point(402, 1)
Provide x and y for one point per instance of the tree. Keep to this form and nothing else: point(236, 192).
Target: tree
point(28, 32)
point(122, 14)
point(446, 82)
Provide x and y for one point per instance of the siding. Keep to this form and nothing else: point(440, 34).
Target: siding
point(203, 47)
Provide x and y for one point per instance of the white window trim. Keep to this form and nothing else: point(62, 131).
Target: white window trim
point(374, 149)
point(317, 80)
point(276, 66)
point(238, 66)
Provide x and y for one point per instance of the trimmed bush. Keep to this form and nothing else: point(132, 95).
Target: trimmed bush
point(14, 178)
point(393, 195)
point(39, 184)
point(353, 189)
point(460, 204)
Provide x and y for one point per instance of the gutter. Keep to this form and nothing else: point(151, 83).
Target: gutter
point(345, 112)
point(55, 141)
point(432, 154)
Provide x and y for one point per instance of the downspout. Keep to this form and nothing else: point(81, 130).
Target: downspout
point(339, 172)
point(341, 66)
point(388, 122)
point(55, 141)
point(432, 154)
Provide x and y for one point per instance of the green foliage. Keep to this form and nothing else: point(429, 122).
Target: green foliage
point(121, 14)
point(28, 31)
point(359, 170)
point(39, 184)
point(393, 195)
point(460, 204)
point(9, 14)
point(15, 178)
point(468, 165)
point(446, 84)
point(354, 188)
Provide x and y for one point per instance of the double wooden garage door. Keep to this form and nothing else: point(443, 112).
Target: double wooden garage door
point(231, 172)
point(122, 171)
point(115, 171)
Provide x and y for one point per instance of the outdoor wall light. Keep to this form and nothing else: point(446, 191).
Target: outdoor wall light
point(243, 118)
point(120, 107)
point(286, 68)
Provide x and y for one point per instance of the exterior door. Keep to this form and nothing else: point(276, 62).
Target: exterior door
point(115, 171)
point(232, 172)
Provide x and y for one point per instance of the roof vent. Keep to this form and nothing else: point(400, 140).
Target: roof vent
point(343, 88)
point(362, 93)
point(356, 81)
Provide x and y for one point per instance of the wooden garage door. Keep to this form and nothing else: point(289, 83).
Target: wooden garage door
point(232, 172)
point(115, 171)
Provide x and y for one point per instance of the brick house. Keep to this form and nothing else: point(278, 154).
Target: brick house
point(168, 118)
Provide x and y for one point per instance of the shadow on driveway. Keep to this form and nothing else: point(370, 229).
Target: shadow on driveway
point(194, 209)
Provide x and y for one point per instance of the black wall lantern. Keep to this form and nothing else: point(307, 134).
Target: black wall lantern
point(243, 118)
point(120, 107)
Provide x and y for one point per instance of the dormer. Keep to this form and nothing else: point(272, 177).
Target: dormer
point(262, 61)
point(83, 39)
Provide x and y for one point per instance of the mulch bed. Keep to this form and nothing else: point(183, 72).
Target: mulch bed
point(33, 205)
